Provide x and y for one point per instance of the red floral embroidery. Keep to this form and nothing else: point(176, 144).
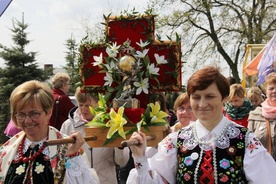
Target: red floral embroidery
point(54, 162)
point(6, 143)
point(223, 178)
point(187, 177)
point(252, 146)
point(169, 146)
point(137, 165)
point(183, 149)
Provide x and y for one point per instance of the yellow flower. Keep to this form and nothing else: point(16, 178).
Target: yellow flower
point(157, 116)
point(116, 123)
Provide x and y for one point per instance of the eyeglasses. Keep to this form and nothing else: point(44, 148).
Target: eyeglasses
point(22, 116)
point(181, 109)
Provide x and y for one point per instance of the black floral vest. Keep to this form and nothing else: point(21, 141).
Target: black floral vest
point(227, 156)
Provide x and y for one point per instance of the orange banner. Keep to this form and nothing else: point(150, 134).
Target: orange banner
point(252, 67)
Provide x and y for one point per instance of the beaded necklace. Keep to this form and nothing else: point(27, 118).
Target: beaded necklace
point(31, 157)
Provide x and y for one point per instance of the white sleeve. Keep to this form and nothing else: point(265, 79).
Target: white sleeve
point(259, 166)
point(161, 168)
point(77, 171)
point(67, 127)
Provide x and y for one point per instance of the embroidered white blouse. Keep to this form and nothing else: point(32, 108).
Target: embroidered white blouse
point(259, 166)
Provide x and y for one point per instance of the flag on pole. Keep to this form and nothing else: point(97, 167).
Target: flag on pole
point(252, 67)
point(266, 64)
point(4, 5)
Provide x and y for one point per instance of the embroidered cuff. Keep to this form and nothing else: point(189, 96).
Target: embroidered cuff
point(75, 166)
point(141, 164)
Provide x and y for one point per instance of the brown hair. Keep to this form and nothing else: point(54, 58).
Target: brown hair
point(206, 76)
point(31, 92)
point(180, 100)
point(82, 96)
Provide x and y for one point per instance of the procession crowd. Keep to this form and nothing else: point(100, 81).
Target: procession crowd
point(218, 133)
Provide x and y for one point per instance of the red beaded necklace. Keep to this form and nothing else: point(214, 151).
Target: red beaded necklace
point(31, 158)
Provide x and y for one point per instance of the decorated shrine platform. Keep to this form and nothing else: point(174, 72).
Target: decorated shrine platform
point(155, 67)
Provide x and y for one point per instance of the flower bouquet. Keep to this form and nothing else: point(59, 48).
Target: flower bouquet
point(119, 124)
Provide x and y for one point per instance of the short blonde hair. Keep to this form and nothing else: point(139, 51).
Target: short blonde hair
point(31, 92)
point(60, 79)
point(236, 90)
point(254, 93)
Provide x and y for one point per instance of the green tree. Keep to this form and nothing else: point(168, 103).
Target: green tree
point(20, 66)
point(72, 67)
point(218, 30)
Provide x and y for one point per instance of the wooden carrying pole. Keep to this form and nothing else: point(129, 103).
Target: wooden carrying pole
point(135, 142)
point(67, 140)
point(125, 143)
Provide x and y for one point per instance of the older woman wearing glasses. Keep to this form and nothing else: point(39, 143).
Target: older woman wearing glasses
point(24, 158)
point(184, 112)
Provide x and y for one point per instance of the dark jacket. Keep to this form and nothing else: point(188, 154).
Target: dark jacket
point(64, 106)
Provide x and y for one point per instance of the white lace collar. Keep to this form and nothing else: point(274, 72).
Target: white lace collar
point(220, 135)
point(28, 143)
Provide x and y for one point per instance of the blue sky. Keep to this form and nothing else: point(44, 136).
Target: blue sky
point(51, 23)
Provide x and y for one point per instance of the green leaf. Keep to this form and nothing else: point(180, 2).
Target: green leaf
point(96, 124)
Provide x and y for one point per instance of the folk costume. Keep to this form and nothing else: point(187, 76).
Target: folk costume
point(196, 155)
point(23, 161)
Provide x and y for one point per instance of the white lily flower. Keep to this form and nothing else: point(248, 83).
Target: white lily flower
point(160, 59)
point(114, 47)
point(108, 78)
point(142, 54)
point(142, 44)
point(98, 60)
point(110, 67)
point(153, 70)
point(142, 86)
point(111, 53)
point(112, 50)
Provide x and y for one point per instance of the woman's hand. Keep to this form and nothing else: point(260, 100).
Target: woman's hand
point(74, 147)
point(139, 149)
